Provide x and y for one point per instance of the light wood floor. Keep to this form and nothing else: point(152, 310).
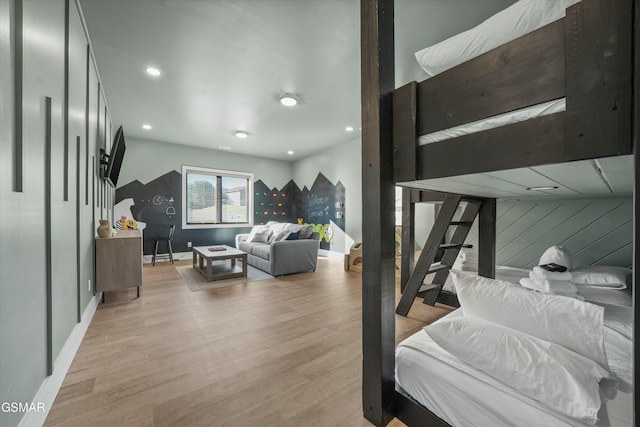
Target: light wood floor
point(277, 352)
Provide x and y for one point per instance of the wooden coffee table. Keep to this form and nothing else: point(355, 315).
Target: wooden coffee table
point(213, 265)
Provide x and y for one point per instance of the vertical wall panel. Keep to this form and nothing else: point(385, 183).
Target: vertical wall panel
point(78, 118)
point(17, 41)
point(86, 122)
point(48, 184)
point(65, 108)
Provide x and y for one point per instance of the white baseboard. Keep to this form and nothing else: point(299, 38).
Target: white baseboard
point(330, 254)
point(51, 385)
point(177, 256)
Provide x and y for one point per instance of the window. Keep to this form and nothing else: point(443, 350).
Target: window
point(216, 198)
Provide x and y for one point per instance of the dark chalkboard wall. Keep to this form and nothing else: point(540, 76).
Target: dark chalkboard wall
point(158, 204)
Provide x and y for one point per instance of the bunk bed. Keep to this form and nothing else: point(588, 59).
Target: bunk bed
point(586, 58)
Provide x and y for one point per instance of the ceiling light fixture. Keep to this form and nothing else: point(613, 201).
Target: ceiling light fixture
point(548, 187)
point(349, 128)
point(290, 152)
point(288, 101)
point(241, 134)
point(224, 147)
point(152, 71)
point(146, 127)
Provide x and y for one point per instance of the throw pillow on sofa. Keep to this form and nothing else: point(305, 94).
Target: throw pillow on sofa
point(261, 236)
point(293, 236)
point(305, 232)
point(278, 236)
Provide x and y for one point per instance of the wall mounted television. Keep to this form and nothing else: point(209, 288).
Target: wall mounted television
point(114, 159)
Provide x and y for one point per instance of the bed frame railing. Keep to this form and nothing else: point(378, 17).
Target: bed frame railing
point(585, 57)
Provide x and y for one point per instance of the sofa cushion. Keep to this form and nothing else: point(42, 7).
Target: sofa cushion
point(249, 247)
point(263, 251)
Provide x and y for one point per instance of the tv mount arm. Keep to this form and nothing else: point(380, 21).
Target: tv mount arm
point(104, 157)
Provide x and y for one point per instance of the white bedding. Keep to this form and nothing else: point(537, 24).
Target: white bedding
point(464, 396)
point(592, 294)
point(516, 116)
point(521, 18)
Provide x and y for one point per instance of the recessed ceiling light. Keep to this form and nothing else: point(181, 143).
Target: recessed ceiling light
point(241, 134)
point(290, 153)
point(288, 101)
point(549, 187)
point(152, 71)
point(349, 128)
point(146, 127)
point(224, 147)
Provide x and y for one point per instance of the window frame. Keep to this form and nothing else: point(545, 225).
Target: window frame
point(217, 173)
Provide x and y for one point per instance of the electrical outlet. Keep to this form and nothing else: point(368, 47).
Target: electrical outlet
point(89, 286)
point(188, 244)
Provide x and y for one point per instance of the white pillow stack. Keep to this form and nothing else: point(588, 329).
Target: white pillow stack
point(553, 282)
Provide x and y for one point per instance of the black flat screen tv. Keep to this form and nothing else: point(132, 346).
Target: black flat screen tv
point(114, 162)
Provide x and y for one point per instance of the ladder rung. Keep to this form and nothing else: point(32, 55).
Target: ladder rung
point(437, 266)
point(461, 222)
point(454, 245)
point(428, 287)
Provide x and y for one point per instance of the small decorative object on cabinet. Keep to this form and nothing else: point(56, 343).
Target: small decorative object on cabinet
point(104, 229)
point(119, 262)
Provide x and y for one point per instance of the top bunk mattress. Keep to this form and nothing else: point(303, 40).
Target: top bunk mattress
point(519, 19)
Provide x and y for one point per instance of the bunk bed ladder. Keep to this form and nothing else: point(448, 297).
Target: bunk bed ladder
point(425, 263)
point(434, 293)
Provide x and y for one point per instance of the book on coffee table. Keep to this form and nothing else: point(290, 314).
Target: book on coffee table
point(217, 248)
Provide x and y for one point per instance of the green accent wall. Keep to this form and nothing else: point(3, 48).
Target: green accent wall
point(47, 224)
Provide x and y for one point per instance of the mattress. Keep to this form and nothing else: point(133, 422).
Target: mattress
point(464, 396)
point(519, 19)
point(504, 119)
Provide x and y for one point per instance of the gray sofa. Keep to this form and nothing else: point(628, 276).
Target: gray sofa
point(281, 257)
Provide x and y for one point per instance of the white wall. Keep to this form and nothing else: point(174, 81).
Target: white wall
point(146, 160)
point(340, 163)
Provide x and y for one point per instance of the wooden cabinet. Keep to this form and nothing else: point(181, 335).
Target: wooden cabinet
point(119, 261)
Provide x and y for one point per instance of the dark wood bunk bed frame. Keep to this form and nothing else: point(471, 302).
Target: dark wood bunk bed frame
point(591, 57)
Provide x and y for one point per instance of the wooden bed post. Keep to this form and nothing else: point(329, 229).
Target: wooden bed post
point(635, 132)
point(408, 237)
point(378, 193)
point(487, 239)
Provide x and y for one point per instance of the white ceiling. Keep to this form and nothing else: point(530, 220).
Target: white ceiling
point(225, 63)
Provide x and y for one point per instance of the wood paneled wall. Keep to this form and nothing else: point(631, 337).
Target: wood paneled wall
point(596, 231)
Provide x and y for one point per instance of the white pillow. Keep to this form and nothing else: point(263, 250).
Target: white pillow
point(259, 236)
point(517, 20)
point(559, 378)
point(557, 255)
point(576, 325)
point(601, 275)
